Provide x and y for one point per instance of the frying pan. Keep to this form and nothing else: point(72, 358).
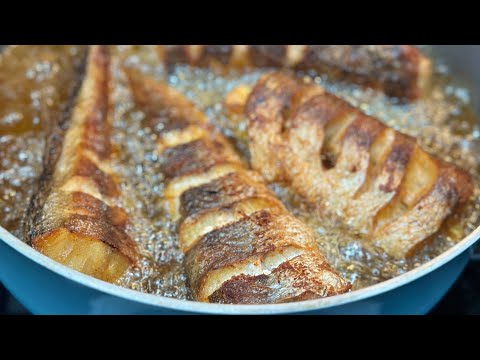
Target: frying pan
point(44, 286)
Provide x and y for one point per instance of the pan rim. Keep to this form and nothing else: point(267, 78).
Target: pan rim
point(160, 301)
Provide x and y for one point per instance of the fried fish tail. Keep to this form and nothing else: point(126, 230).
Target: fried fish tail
point(235, 234)
point(74, 219)
point(377, 181)
point(400, 71)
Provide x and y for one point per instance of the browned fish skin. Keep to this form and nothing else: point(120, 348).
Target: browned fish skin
point(74, 220)
point(221, 192)
point(230, 224)
point(399, 71)
point(268, 55)
point(287, 281)
point(377, 181)
point(194, 157)
point(221, 53)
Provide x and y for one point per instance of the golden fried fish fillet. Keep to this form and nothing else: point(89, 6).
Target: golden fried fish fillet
point(73, 218)
point(241, 245)
point(375, 180)
point(400, 71)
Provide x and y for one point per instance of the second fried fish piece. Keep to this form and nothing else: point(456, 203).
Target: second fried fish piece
point(241, 245)
point(377, 181)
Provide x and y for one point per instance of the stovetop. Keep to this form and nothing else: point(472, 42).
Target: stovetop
point(463, 297)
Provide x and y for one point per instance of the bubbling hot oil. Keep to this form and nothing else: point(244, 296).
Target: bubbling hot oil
point(443, 123)
point(34, 82)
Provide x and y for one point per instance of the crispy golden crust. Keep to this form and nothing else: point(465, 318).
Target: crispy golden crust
point(272, 96)
point(377, 181)
point(268, 55)
point(194, 227)
point(249, 240)
point(194, 157)
point(398, 70)
point(300, 278)
point(94, 121)
point(229, 222)
point(221, 53)
point(383, 179)
point(95, 228)
point(74, 220)
point(221, 192)
point(85, 204)
point(235, 100)
point(105, 182)
point(409, 230)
